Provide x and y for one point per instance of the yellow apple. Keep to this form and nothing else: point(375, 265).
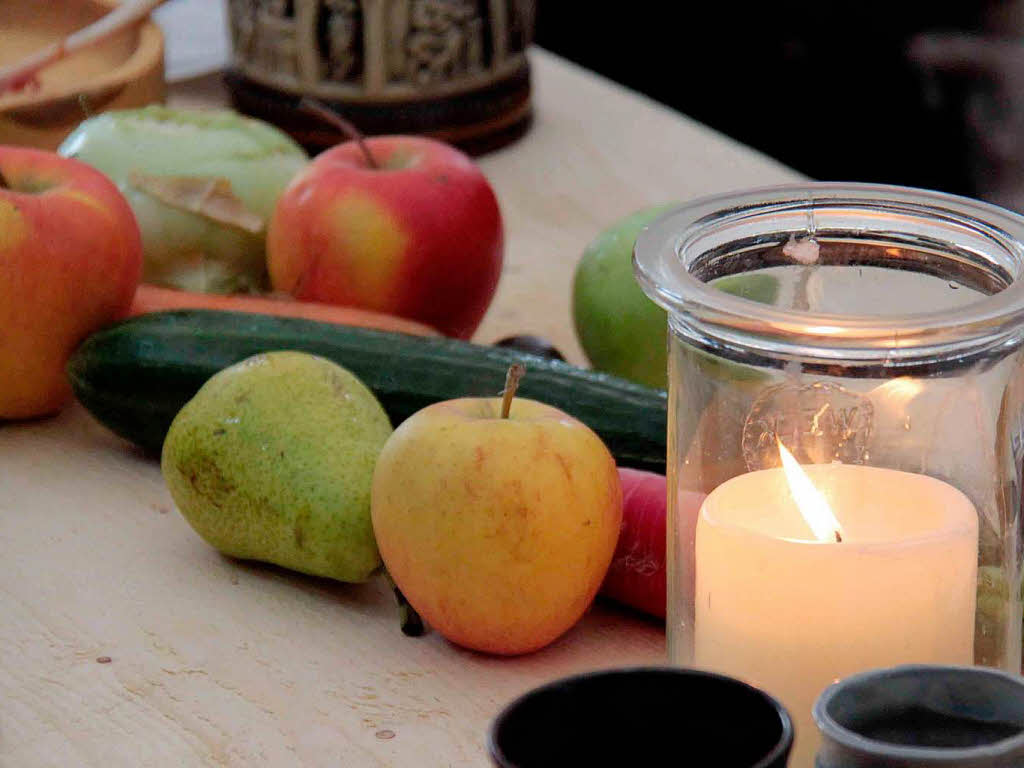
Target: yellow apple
point(498, 530)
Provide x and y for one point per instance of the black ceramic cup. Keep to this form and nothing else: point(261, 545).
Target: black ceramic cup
point(649, 716)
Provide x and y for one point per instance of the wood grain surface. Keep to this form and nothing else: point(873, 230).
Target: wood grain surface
point(213, 662)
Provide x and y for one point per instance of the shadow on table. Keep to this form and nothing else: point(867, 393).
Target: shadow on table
point(371, 598)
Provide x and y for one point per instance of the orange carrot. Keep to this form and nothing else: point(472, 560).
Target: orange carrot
point(153, 298)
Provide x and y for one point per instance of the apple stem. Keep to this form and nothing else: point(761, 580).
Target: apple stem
point(314, 107)
point(411, 622)
point(83, 104)
point(3, 181)
point(515, 373)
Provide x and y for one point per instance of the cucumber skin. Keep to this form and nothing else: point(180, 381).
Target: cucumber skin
point(134, 376)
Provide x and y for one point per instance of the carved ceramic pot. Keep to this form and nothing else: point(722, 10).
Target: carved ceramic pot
point(454, 69)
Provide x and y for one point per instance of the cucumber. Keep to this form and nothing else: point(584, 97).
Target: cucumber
point(136, 375)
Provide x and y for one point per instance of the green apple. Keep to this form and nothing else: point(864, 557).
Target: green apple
point(248, 161)
point(620, 329)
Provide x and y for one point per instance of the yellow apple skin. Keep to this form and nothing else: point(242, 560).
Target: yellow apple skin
point(498, 531)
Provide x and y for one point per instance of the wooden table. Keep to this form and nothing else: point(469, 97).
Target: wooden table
point(218, 663)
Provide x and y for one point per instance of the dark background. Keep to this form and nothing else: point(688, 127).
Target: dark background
point(902, 92)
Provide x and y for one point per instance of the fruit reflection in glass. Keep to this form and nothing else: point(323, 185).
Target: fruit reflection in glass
point(887, 362)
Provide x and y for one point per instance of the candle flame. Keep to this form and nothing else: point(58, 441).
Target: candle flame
point(809, 500)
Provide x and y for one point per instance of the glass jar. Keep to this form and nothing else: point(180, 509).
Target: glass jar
point(874, 333)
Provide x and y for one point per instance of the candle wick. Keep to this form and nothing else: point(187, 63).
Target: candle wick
point(839, 537)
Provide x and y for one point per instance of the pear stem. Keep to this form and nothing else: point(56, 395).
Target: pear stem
point(515, 373)
point(314, 107)
point(411, 622)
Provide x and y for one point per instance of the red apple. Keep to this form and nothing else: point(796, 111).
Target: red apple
point(418, 236)
point(70, 259)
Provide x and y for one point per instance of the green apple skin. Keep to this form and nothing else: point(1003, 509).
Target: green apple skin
point(620, 329)
point(183, 249)
point(273, 460)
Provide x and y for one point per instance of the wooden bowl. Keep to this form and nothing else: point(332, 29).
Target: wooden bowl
point(125, 70)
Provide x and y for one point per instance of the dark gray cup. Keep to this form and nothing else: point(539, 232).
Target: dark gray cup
point(645, 716)
point(922, 717)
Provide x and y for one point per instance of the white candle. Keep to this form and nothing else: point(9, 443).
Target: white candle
point(791, 612)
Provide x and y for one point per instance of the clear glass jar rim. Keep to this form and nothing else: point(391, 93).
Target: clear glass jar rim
point(661, 263)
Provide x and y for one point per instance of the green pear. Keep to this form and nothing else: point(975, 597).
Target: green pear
point(273, 460)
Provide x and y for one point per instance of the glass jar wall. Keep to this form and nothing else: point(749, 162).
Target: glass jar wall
point(874, 335)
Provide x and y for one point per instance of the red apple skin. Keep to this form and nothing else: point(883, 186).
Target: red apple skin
point(419, 237)
point(70, 259)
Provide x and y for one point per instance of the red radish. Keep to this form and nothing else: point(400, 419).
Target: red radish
point(636, 576)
